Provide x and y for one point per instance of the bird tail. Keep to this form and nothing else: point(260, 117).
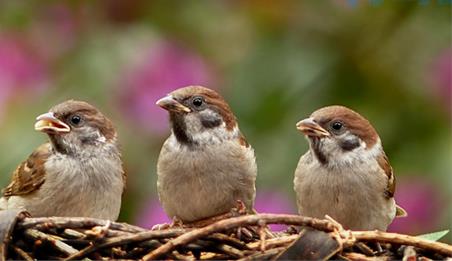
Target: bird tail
point(400, 212)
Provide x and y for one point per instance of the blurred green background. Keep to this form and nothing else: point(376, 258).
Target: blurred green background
point(274, 61)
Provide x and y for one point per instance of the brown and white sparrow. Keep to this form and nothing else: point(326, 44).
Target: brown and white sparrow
point(345, 174)
point(78, 173)
point(206, 165)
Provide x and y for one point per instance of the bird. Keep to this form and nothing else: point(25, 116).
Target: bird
point(206, 165)
point(78, 172)
point(345, 173)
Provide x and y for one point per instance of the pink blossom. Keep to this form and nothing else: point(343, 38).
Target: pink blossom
point(422, 200)
point(20, 69)
point(151, 214)
point(274, 202)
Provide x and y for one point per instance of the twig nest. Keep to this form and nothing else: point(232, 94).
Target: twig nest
point(244, 237)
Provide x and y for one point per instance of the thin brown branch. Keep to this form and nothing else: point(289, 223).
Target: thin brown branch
point(71, 233)
point(22, 253)
point(261, 256)
point(122, 240)
point(229, 250)
point(248, 220)
point(228, 240)
point(274, 242)
point(75, 222)
point(384, 237)
point(38, 235)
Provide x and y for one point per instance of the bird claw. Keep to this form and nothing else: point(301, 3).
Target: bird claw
point(161, 226)
point(174, 224)
point(99, 231)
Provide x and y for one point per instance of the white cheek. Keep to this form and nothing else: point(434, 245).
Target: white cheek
point(192, 123)
point(339, 158)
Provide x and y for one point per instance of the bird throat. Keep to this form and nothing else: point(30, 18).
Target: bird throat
point(316, 146)
point(58, 144)
point(180, 129)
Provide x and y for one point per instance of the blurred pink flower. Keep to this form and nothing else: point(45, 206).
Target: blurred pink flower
point(151, 214)
point(266, 202)
point(20, 69)
point(164, 68)
point(441, 77)
point(274, 202)
point(58, 22)
point(423, 202)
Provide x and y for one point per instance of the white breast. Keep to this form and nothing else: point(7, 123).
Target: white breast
point(198, 183)
point(354, 196)
point(77, 186)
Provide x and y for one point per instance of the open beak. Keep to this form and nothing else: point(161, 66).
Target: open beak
point(312, 129)
point(49, 124)
point(170, 104)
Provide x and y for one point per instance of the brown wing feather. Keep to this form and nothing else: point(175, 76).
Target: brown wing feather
point(30, 174)
point(390, 188)
point(243, 141)
point(384, 164)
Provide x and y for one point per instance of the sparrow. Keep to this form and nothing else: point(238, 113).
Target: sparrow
point(77, 173)
point(345, 173)
point(206, 165)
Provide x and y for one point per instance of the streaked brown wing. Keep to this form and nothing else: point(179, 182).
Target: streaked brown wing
point(384, 164)
point(30, 174)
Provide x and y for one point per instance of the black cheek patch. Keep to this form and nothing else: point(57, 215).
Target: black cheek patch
point(316, 145)
point(348, 145)
point(210, 121)
point(179, 129)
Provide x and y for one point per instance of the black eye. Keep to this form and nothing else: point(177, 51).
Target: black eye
point(75, 120)
point(197, 101)
point(336, 125)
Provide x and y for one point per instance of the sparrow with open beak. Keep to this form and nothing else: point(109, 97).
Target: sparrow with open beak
point(206, 165)
point(78, 173)
point(345, 174)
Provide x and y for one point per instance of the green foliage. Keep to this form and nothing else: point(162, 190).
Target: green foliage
point(435, 236)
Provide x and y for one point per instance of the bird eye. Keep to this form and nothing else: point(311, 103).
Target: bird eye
point(197, 101)
point(75, 120)
point(336, 125)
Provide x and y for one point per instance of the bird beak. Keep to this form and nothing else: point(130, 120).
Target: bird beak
point(49, 124)
point(312, 129)
point(170, 104)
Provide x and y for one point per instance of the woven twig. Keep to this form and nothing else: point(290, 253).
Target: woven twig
point(78, 238)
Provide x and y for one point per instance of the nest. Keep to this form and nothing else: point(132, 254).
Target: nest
point(244, 237)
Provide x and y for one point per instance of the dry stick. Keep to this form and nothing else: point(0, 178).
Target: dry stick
point(237, 222)
point(360, 257)
point(117, 233)
point(262, 234)
point(142, 236)
point(71, 233)
point(271, 243)
point(365, 249)
point(22, 253)
point(38, 235)
point(227, 240)
point(179, 256)
point(265, 255)
point(78, 222)
point(231, 251)
point(395, 238)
